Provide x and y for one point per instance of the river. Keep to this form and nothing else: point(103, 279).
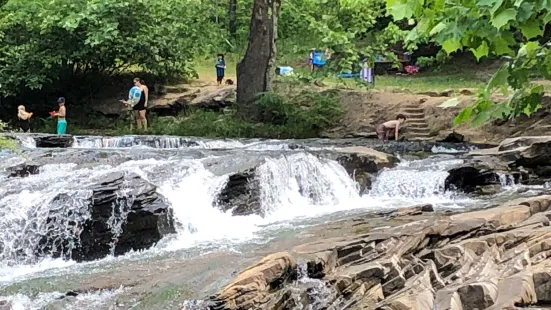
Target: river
point(299, 192)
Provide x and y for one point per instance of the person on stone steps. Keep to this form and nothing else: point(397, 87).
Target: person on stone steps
point(24, 118)
point(60, 115)
point(385, 129)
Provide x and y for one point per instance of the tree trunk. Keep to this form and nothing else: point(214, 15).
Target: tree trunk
point(255, 71)
point(232, 17)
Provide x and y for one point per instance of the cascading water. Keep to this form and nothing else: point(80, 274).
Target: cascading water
point(420, 181)
point(302, 180)
point(162, 142)
point(293, 186)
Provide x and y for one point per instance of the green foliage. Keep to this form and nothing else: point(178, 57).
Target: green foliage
point(6, 143)
point(303, 115)
point(54, 43)
point(488, 28)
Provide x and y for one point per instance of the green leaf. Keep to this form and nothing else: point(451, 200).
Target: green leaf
point(499, 79)
point(481, 51)
point(518, 3)
point(501, 110)
point(501, 47)
point(400, 11)
point(486, 3)
point(547, 18)
point(528, 49)
point(480, 118)
point(451, 45)
point(463, 116)
point(441, 26)
point(496, 7)
point(525, 11)
point(453, 102)
point(531, 29)
point(502, 18)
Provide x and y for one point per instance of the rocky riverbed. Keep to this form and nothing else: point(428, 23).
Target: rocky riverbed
point(172, 223)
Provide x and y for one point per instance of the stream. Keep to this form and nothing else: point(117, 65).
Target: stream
point(299, 193)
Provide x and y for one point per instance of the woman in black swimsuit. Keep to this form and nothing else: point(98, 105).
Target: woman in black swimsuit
point(141, 106)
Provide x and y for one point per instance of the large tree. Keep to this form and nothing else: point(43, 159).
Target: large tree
point(255, 71)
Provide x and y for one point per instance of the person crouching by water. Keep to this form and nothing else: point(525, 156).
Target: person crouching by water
point(137, 99)
point(385, 129)
point(61, 114)
point(24, 118)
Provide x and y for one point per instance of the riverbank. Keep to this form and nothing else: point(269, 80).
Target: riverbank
point(201, 109)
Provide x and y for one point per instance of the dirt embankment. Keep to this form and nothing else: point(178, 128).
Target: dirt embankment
point(363, 111)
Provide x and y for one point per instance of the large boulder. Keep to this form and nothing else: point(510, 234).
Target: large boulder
point(124, 213)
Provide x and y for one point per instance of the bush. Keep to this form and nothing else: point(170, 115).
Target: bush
point(6, 143)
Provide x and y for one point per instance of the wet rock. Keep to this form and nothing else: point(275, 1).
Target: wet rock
point(362, 163)
point(532, 154)
point(488, 259)
point(23, 170)
point(53, 141)
point(251, 288)
point(454, 137)
point(124, 213)
point(241, 194)
point(468, 179)
point(5, 305)
point(413, 210)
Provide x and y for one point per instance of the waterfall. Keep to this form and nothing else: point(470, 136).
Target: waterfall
point(299, 180)
point(419, 181)
point(26, 141)
point(157, 142)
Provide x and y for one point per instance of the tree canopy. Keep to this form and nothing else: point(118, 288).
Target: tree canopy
point(503, 28)
point(48, 42)
point(56, 44)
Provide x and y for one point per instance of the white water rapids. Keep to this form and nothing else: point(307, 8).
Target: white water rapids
point(293, 186)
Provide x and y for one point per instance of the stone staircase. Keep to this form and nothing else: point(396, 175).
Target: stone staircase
point(416, 126)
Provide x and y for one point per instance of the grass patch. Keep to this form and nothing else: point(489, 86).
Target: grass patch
point(446, 76)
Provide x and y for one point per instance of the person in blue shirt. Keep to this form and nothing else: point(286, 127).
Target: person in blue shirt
point(220, 69)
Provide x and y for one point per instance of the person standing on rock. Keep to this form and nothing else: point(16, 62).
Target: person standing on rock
point(137, 99)
point(61, 114)
point(220, 68)
point(24, 118)
point(385, 129)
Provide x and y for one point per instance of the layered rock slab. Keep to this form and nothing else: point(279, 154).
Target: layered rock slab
point(497, 258)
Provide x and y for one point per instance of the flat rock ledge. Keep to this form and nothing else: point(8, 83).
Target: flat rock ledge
point(497, 258)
